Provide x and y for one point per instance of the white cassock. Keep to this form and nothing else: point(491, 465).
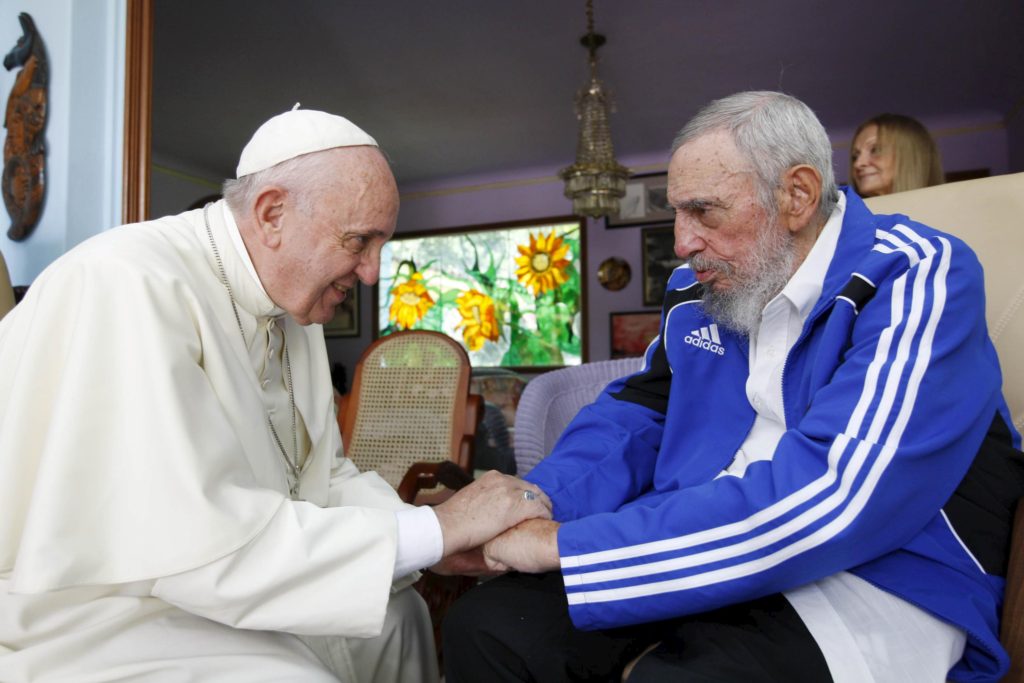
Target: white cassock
point(146, 533)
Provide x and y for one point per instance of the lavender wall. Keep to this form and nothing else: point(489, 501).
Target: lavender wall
point(977, 142)
point(506, 200)
point(174, 186)
point(964, 143)
point(533, 193)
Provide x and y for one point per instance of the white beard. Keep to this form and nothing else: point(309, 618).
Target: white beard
point(769, 266)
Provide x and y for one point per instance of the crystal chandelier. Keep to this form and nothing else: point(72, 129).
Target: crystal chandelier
point(596, 182)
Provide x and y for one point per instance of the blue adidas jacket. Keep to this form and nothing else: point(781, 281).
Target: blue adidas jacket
point(898, 463)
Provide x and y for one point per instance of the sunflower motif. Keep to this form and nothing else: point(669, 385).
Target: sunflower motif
point(478, 321)
point(411, 302)
point(543, 263)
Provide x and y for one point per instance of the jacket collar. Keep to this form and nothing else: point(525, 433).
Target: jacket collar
point(856, 239)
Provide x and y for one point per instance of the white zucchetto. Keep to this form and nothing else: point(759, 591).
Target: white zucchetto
point(298, 132)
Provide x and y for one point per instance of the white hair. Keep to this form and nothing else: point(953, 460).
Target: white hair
point(774, 132)
point(299, 176)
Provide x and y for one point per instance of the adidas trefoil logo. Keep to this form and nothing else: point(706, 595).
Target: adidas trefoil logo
point(706, 338)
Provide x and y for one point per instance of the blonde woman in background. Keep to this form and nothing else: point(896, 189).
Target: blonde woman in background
point(893, 153)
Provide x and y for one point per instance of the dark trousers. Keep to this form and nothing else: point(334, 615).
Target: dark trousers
point(516, 628)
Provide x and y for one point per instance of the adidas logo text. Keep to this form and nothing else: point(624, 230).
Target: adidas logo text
point(706, 338)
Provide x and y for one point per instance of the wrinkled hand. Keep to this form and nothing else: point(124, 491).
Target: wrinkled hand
point(485, 508)
point(530, 547)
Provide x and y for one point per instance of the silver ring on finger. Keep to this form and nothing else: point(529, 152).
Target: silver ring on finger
point(529, 495)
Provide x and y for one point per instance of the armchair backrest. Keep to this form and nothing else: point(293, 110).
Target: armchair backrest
point(6, 292)
point(988, 214)
point(551, 400)
point(408, 405)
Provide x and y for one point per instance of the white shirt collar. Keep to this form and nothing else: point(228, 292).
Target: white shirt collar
point(243, 253)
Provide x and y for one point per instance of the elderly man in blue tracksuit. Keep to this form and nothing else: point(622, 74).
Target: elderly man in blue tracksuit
point(811, 479)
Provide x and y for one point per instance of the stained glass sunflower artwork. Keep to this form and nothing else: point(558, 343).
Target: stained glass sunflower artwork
point(411, 302)
point(478, 323)
point(542, 264)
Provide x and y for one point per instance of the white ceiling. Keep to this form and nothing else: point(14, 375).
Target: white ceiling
point(458, 87)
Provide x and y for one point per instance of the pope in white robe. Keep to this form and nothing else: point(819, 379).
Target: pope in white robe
point(155, 408)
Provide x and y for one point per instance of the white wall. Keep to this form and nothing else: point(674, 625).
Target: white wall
point(95, 172)
point(84, 132)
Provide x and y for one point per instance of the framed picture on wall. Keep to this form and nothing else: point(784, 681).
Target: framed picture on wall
point(657, 252)
point(632, 332)
point(345, 322)
point(646, 201)
point(511, 293)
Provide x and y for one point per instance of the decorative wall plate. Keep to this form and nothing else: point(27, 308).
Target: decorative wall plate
point(613, 273)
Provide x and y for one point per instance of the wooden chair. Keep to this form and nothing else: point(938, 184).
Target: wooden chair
point(410, 411)
point(411, 418)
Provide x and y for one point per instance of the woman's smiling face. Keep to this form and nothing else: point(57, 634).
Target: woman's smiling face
point(873, 166)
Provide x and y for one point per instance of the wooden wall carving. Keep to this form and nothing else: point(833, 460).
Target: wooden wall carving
point(24, 175)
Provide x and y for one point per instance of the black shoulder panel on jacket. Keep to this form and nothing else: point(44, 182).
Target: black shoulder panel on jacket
point(982, 507)
point(674, 297)
point(651, 387)
point(858, 291)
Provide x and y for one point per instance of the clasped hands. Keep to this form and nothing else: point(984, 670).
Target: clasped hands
point(494, 525)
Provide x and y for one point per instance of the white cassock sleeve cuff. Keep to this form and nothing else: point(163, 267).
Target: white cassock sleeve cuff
point(420, 543)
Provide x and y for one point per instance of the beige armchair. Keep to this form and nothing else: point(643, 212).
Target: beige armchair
point(550, 401)
point(6, 293)
point(988, 214)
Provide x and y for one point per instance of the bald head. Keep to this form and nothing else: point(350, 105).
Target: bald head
point(360, 173)
point(309, 175)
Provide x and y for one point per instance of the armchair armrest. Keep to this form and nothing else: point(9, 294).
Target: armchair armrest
point(474, 414)
point(427, 475)
point(1012, 635)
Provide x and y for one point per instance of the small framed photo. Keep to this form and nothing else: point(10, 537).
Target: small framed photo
point(657, 251)
point(633, 332)
point(646, 201)
point(345, 322)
